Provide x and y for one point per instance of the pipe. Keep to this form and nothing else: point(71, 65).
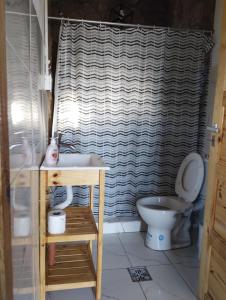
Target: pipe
point(114, 24)
point(68, 200)
point(52, 254)
point(126, 25)
point(63, 205)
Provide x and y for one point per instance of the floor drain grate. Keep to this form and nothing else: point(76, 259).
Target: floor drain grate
point(138, 274)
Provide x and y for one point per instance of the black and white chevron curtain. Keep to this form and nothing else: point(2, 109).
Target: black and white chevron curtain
point(138, 98)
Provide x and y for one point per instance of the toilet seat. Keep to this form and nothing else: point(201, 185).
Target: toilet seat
point(172, 204)
point(187, 187)
point(190, 177)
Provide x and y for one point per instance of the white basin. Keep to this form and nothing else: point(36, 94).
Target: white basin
point(75, 161)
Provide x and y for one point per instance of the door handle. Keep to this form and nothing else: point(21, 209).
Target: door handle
point(213, 129)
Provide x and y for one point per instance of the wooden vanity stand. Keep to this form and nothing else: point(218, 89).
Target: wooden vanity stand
point(74, 266)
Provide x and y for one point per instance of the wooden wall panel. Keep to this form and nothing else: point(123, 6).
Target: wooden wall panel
point(5, 228)
point(210, 282)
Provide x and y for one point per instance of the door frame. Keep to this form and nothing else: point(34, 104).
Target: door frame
point(214, 155)
point(6, 285)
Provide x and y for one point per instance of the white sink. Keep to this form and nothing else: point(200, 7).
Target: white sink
point(74, 161)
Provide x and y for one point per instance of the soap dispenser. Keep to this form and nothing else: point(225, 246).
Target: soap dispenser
point(52, 153)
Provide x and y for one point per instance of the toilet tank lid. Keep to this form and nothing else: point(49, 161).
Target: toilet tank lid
point(190, 177)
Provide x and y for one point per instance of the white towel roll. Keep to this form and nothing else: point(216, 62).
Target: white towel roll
point(21, 225)
point(56, 221)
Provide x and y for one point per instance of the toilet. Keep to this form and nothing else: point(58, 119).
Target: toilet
point(160, 212)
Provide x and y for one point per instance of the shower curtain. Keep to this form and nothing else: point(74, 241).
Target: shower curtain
point(137, 97)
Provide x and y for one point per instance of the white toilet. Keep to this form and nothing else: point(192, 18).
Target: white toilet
point(159, 212)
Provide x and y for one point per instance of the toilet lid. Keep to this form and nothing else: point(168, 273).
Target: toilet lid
point(190, 177)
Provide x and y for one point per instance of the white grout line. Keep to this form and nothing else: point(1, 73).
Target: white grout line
point(170, 263)
point(131, 263)
point(118, 235)
point(185, 281)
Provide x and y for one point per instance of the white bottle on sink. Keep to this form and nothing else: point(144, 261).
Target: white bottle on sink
point(52, 153)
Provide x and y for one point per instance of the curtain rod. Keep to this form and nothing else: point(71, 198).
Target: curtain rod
point(124, 24)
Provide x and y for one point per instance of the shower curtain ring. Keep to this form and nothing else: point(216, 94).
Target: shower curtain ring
point(212, 34)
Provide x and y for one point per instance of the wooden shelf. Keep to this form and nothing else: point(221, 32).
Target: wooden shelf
point(73, 269)
point(22, 241)
point(80, 226)
point(22, 281)
point(74, 266)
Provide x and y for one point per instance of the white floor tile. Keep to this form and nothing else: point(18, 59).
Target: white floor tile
point(114, 255)
point(186, 256)
point(190, 274)
point(117, 285)
point(138, 253)
point(166, 285)
point(79, 294)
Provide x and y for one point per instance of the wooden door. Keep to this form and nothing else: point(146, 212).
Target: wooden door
point(5, 230)
point(212, 284)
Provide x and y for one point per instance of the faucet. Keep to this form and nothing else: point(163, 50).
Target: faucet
point(18, 133)
point(26, 151)
point(15, 146)
point(70, 146)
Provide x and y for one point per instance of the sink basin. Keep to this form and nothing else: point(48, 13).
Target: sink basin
point(75, 161)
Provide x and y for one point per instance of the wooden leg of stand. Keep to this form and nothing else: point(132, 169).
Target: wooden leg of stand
point(100, 236)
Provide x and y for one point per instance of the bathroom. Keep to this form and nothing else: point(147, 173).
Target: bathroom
point(133, 84)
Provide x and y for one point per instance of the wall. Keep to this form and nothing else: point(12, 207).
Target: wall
point(191, 14)
point(176, 13)
point(26, 111)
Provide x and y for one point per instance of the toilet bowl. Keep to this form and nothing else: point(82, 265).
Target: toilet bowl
point(160, 212)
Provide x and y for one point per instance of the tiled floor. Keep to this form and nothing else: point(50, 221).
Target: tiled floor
point(174, 272)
